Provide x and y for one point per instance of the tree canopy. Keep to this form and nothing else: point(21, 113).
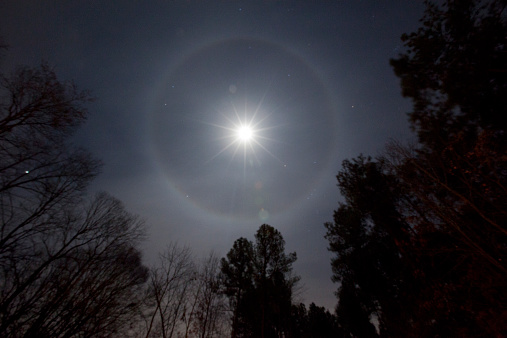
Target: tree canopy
point(259, 283)
point(421, 235)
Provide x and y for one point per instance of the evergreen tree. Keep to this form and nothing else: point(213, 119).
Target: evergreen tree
point(259, 283)
point(366, 237)
point(454, 70)
point(421, 239)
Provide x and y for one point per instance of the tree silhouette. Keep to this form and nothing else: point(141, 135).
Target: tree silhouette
point(68, 266)
point(454, 70)
point(169, 291)
point(210, 318)
point(238, 279)
point(366, 237)
point(421, 235)
point(259, 283)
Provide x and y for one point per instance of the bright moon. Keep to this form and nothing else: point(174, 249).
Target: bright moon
point(245, 133)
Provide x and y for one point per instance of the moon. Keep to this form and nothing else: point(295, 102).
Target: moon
point(245, 133)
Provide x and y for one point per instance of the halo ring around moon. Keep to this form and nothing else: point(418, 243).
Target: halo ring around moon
point(194, 92)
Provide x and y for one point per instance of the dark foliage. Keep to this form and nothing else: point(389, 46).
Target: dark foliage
point(454, 70)
point(316, 322)
point(366, 236)
point(259, 283)
point(421, 239)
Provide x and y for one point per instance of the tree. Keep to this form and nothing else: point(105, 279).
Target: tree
point(259, 283)
point(322, 323)
point(367, 234)
point(427, 223)
point(209, 307)
point(274, 281)
point(354, 314)
point(170, 285)
point(89, 279)
point(40, 175)
point(454, 70)
point(317, 322)
point(238, 276)
point(184, 298)
point(55, 246)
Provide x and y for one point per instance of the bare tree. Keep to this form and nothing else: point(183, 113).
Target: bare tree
point(40, 176)
point(169, 290)
point(87, 281)
point(210, 308)
point(184, 299)
point(67, 267)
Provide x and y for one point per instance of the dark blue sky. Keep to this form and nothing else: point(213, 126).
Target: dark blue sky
point(171, 78)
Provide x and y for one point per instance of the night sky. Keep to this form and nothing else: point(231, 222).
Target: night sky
point(174, 80)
